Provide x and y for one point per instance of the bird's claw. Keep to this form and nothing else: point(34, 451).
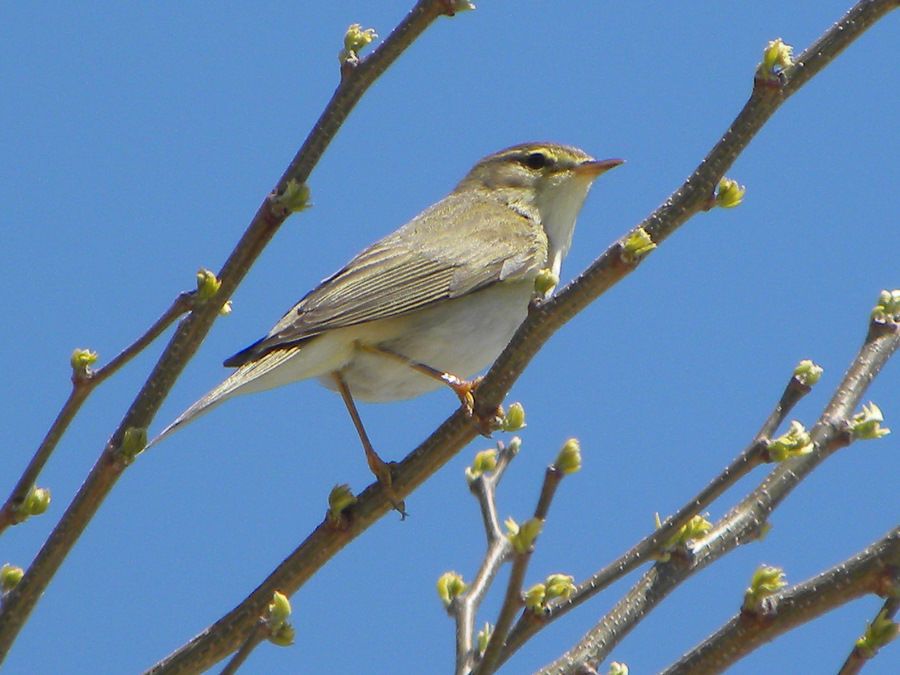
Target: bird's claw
point(384, 474)
point(464, 390)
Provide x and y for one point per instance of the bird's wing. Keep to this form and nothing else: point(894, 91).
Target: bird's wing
point(449, 250)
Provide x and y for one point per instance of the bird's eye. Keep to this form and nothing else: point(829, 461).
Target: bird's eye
point(536, 160)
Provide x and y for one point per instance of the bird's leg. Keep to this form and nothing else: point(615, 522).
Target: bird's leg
point(462, 388)
point(379, 467)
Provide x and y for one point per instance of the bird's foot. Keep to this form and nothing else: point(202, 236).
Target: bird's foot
point(464, 389)
point(384, 474)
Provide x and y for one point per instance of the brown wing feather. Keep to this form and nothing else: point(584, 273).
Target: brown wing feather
point(438, 255)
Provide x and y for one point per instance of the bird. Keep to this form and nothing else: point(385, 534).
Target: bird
point(432, 303)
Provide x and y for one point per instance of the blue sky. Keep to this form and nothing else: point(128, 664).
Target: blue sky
point(137, 142)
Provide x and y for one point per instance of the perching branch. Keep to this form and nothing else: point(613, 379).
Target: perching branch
point(273, 211)
point(692, 197)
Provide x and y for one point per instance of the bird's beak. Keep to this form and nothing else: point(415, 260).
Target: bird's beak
point(595, 167)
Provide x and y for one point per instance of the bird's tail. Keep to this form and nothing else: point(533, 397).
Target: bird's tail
point(246, 379)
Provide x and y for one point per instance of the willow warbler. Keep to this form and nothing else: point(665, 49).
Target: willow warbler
point(435, 301)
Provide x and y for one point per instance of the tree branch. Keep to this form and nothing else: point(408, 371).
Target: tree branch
point(693, 196)
point(512, 600)
point(82, 386)
point(868, 646)
point(240, 656)
point(747, 520)
point(193, 329)
point(465, 606)
point(543, 321)
point(644, 551)
point(784, 611)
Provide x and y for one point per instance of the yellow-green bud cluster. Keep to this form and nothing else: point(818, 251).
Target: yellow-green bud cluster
point(878, 633)
point(10, 576)
point(559, 586)
point(133, 443)
point(794, 443)
point(294, 198)
point(36, 502)
point(776, 57)
point(808, 373)
point(555, 586)
point(341, 497)
point(766, 581)
point(484, 636)
point(729, 193)
point(522, 536)
point(355, 39)
point(867, 423)
point(514, 419)
point(207, 284)
point(449, 586)
point(534, 598)
point(888, 307)
point(637, 244)
point(545, 282)
point(281, 632)
point(484, 462)
point(568, 461)
point(82, 360)
point(695, 528)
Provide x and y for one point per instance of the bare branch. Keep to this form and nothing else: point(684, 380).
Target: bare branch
point(862, 574)
point(484, 488)
point(240, 656)
point(693, 196)
point(747, 520)
point(512, 601)
point(880, 631)
point(82, 386)
point(644, 551)
point(543, 321)
point(499, 550)
point(467, 604)
point(193, 329)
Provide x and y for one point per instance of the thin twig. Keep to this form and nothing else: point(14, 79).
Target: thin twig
point(484, 488)
point(182, 304)
point(467, 604)
point(240, 656)
point(82, 386)
point(792, 607)
point(19, 602)
point(499, 550)
point(693, 196)
point(747, 520)
point(512, 600)
point(859, 656)
point(644, 551)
